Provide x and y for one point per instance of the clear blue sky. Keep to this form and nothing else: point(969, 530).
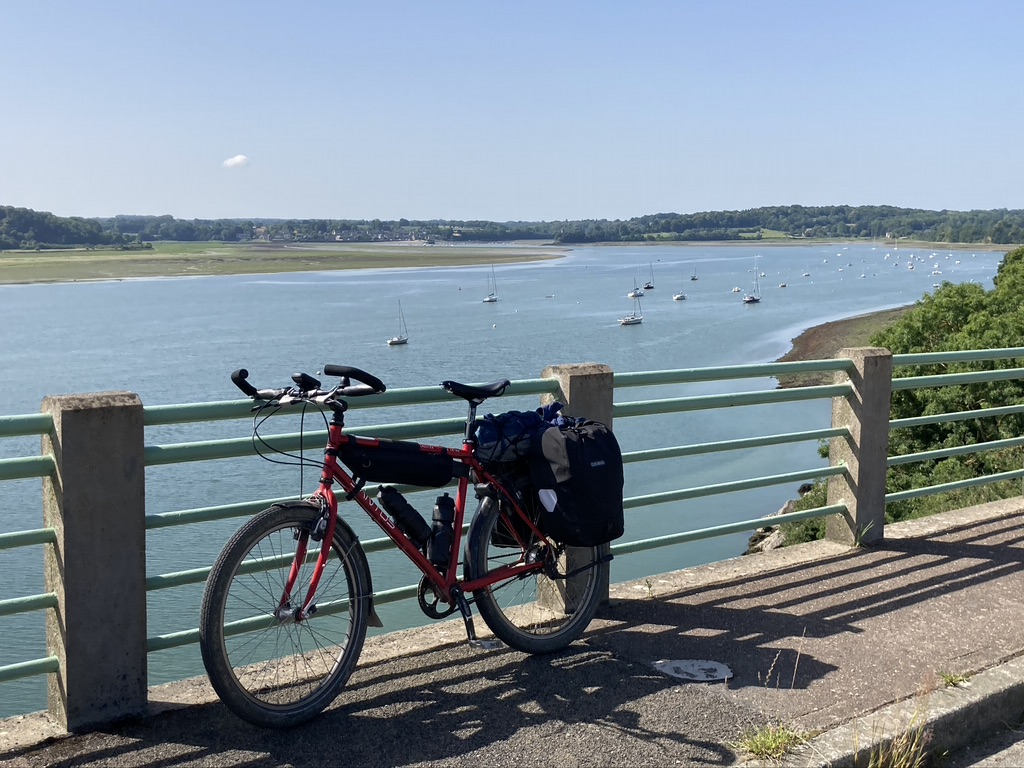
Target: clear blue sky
point(508, 111)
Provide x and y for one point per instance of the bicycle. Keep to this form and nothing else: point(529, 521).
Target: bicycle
point(288, 601)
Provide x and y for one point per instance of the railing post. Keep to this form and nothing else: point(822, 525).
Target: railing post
point(96, 504)
point(587, 390)
point(866, 414)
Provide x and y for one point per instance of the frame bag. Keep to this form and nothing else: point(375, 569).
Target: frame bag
point(577, 471)
point(396, 461)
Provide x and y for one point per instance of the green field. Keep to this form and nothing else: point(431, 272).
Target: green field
point(209, 258)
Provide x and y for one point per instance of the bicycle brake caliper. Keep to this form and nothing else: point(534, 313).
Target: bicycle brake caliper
point(320, 526)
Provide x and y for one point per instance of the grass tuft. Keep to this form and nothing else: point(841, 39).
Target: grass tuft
point(950, 680)
point(770, 742)
point(909, 748)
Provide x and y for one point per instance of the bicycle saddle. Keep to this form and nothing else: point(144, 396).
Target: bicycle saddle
point(476, 394)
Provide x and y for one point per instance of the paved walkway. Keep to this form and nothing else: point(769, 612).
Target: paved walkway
point(845, 645)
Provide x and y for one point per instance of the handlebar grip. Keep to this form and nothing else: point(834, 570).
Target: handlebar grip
point(361, 376)
point(239, 377)
point(358, 390)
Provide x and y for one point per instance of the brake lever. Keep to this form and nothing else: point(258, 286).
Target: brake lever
point(315, 396)
point(325, 397)
point(290, 397)
point(280, 398)
point(268, 394)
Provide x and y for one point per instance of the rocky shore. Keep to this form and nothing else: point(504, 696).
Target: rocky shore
point(770, 536)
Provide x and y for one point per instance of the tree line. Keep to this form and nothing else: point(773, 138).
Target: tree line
point(28, 229)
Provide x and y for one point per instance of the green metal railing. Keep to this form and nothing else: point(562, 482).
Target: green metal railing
point(949, 380)
point(216, 449)
point(23, 468)
point(230, 448)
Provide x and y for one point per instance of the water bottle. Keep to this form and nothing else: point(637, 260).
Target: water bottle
point(408, 520)
point(442, 532)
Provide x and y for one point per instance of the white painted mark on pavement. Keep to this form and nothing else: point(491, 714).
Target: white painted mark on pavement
point(694, 670)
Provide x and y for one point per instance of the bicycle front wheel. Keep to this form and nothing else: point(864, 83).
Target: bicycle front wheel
point(267, 666)
point(533, 613)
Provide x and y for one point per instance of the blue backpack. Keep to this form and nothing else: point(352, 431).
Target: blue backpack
point(506, 437)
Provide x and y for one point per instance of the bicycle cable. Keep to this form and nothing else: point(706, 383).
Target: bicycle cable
point(299, 459)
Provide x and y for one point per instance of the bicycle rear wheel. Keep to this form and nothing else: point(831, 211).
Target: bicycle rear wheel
point(267, 667)
point(533, 613)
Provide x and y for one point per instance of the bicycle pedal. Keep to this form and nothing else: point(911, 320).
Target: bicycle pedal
point(486, 645)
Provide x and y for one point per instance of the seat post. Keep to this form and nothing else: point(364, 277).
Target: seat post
point(474, 394)
point(470, 421)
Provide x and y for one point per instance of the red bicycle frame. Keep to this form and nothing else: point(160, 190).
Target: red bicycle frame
point(443, 582)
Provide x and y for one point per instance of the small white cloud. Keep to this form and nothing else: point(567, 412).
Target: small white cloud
point(236, 162)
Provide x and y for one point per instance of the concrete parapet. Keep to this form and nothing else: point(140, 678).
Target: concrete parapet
point(866, 414)
point(96, 504)
point(587, 390)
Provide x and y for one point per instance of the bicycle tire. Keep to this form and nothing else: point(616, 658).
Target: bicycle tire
point(276, 673)
point(532, 613)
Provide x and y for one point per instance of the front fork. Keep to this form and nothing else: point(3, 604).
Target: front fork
point(323, 532)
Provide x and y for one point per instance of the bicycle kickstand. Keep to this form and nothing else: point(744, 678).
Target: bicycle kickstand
point(467, 617)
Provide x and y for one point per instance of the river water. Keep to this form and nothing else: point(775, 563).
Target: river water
point(176, 341)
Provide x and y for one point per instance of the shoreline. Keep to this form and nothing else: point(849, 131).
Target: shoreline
point(207, 259)
point(822, 342)
point(806, 243)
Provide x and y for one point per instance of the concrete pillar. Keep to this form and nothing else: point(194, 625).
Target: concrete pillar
point(96, 504)
point(866, 414)
point(587, 390)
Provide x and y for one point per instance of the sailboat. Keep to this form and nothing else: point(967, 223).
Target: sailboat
point(649, 285)
point(755, 296)
point(694, 276)
point(637, 291)
point(492, 283)
point(679, 296)
point(403, 332)
point(635, 317)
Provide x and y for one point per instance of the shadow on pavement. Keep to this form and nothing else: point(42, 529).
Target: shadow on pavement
point(818, 643)
point(454, 707)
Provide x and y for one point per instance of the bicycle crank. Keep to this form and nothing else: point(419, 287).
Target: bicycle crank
point(430, 599)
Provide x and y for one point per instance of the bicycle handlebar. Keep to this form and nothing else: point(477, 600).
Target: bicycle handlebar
point(348, 372)
point(309, 388)
point(238, 378)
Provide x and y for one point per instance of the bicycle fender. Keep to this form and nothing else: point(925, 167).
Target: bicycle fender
point(482, 511)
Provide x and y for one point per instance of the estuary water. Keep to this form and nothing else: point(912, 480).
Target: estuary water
point(177, 340)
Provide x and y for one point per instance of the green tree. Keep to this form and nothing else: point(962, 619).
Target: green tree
point(955, 317)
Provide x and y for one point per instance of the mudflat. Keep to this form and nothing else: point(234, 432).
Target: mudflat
point(202, 259)
point(823, 342)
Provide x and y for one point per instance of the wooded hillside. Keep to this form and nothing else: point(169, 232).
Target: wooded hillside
point(28, 229)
